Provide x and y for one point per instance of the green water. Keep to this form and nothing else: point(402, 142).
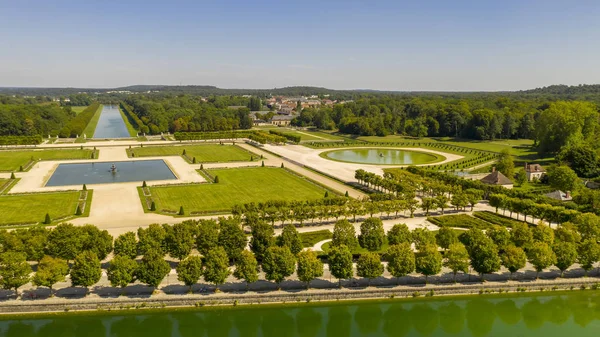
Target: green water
point(575, 314)
point(382, 156)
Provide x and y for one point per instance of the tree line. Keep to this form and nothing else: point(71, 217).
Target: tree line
point(78, 251)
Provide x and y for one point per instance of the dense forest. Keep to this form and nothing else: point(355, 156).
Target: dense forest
point(27, 117)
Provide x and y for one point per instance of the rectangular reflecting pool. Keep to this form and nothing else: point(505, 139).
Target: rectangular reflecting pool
point(111, 124)
point(102, 172)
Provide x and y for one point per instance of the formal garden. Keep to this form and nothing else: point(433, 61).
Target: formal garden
point(228, 187)
point(22, 160)
point(209, 153)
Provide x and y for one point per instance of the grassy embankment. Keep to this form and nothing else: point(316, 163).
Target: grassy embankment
point(209, 153)
point(91, 127)
point(13, 160)
point(133, 132)
point(235, 186)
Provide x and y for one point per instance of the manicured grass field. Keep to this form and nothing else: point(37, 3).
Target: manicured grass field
point(358, 249)
point(204, 153)
point(310, 239)
point(11, 160)
point(91, 127)
point(132, 131)
point(236, 186)
point(32, 208)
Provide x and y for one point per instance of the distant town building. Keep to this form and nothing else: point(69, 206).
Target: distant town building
point(534, 171)
point(497, 178)
point(282, 120)
point(559, 195)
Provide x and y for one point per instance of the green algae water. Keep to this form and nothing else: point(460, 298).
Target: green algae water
point(382, 156)
point(574, 313)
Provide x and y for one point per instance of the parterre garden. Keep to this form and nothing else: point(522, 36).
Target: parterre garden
point(24, 159)
point(480, 220)
point(209, 153)
point(231, 187)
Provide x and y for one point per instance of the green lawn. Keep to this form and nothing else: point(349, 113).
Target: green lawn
point(11, 160)
point(32, 208)
point(91, 127)
point(132, 131)
point(310, 239)
point(78, 109)
point(208, 153)
point(236, 186)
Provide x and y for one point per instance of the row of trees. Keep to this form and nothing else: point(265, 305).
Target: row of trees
point(279, 257)
point(76, 125)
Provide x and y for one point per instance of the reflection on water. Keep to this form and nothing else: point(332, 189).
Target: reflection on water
point(573, 314)
point(382, 156)
point(101, 173)
point(111, 124)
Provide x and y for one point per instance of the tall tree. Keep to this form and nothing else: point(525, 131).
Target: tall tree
point(340, 263)
point(369, 266)
point(208, 235)
point(262, 238)
point(423, 237)
point(309, 267)
point(189, 271)
point(152, 239)
point(457, 259)
point(86, 270)
point(344, 234)
point(513, 258)
point(445, 237)
point(216, 267)
point(543, 233)
point(232, 237)
point(64, 242)
point(97, 241)
point(290, 238)
point(121, 271)
point(563, 178)
point(401, 260)
point(126, 245)
point(541, 256)
point(278, 263)
point(371, 234)
point(484, 256)
point(521, 235)
point(50, 271)
point(566, 255)
point(505, 164)
point(152, 269)
point(246, 268)
point(180, 240)
point(428, 261)
point(588, 253)
point(14, 270)
point(399, 233)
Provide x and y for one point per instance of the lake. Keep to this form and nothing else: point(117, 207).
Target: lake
point(111, 124)
point(382, 156)
point(575, 313)
point(101, 172)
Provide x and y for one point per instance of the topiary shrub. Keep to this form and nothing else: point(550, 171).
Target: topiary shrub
point(47, 219)
point(202, 166)
point(194, 160)
point(144, 184)
point(181, 212)
point(346, 195)
point(282, 165)
point(12, 175)
point(216, 179)
point(21, 168)
point(78, 211)
point(84, 187)
point(263, 164)
point(183, 154)
point(153, 206)
point(326, 194)
point(92, 156)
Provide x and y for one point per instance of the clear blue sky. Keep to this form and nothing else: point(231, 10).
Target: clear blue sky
point(395, 45)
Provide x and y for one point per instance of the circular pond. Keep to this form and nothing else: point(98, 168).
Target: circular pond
point(383, 156)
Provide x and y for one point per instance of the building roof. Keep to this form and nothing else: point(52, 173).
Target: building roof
point(534, 168)
point(559, 195)
point(496, 178)
point(283, 117)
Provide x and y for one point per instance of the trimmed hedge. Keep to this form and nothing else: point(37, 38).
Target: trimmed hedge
point(496, 219)
point(460, 221)
point(20, 140)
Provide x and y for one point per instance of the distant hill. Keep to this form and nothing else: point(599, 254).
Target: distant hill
point(585, 91)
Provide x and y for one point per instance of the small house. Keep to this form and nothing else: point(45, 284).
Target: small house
point(497, 178)
point(559, 195)
point(534, 171)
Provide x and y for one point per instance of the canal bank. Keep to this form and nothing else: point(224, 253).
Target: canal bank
point(525, 314)
point(111, 124)
point(115, 302)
